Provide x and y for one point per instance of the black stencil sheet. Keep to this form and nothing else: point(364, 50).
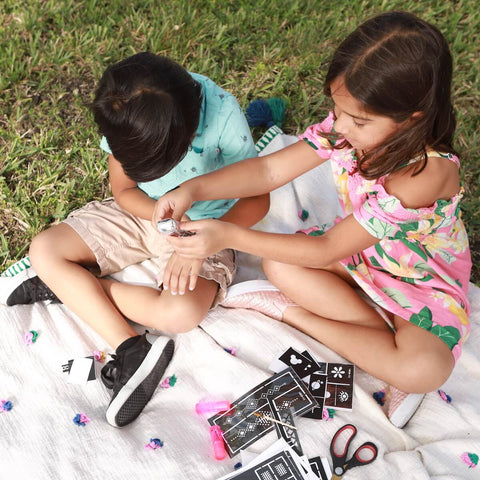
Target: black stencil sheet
point(241, 427)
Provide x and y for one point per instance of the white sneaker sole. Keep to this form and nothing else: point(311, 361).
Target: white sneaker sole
point(249, 287)
point(405, 411)
point(131, 400)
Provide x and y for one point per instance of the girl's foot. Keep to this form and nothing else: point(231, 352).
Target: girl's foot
point(402, 406)
point(258, 295)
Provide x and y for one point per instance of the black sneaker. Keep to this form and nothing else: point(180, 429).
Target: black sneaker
point(26, 288)
point(134, 373)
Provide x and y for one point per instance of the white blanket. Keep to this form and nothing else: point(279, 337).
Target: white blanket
point(39, 439)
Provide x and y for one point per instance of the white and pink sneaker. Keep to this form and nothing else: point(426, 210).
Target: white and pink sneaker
point(402, 406)
point(258, 295)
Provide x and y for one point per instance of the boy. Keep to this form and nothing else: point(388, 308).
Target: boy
point(161, 125)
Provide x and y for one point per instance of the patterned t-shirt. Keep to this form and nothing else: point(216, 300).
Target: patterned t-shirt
point(223, 137)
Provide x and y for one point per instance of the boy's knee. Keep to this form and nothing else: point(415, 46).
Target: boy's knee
point(179, 318)
point(40, 249)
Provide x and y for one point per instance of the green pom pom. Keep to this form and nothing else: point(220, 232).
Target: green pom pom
point(277, 107)
point(473, 458)
point(303, 214)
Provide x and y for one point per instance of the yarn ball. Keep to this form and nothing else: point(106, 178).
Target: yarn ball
point(328, 414)
point(30, 337)
point(303, 214)
point(169, 382)
point(471, 459)
point(278, 107)
point(5, 405)
point(80, 419)
point(444, 396)
point(379, 397)
point(258, 114)
point(154, 444)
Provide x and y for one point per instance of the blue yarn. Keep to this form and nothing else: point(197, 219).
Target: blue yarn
point(379, 397)
point(258, 113)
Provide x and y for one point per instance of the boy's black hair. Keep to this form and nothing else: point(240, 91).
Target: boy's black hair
point(148, 108)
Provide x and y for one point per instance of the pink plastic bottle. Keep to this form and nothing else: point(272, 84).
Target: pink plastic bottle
point(217, 442)
point(212, 407)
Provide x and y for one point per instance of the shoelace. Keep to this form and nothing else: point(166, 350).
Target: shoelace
point(41, 291)
point(108, 372)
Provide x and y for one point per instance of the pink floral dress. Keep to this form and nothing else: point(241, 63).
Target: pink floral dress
point(420, 268)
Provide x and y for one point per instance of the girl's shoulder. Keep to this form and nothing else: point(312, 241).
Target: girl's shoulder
point(439, 180)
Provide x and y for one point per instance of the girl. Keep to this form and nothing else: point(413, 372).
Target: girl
point(389, 141)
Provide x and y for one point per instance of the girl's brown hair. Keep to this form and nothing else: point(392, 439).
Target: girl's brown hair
point(396, 64)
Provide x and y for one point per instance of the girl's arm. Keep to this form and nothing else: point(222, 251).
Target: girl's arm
point(248, 178)
point(180, 275)
point(343, 240)
point(126, 192)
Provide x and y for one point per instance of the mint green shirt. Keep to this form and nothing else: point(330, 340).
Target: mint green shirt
point(223, 137)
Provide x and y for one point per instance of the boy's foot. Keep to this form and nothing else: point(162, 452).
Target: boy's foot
point(25, 288)
point(258, 295)
point(134, 373)
point(402, 406)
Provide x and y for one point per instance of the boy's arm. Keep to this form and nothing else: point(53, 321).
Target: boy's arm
point(248, 211)
point(126, 192)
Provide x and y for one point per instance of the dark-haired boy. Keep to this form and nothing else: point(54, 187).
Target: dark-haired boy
point(161, 125)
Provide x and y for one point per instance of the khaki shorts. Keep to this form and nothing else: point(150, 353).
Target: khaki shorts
point(119, 239)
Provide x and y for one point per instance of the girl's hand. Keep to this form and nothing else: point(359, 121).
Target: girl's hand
point(210, 237)
point(173, 204)
point(181, 273)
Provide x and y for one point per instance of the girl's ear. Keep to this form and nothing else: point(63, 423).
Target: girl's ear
point(416, 116)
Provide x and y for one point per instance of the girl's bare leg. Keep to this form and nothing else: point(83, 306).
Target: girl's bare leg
point(411, 359)
point(57, 256)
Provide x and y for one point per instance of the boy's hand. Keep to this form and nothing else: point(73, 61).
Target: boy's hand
point(173, 204)
point(210, 237)
point(181, 273)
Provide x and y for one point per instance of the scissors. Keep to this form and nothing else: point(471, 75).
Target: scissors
point(364, 454)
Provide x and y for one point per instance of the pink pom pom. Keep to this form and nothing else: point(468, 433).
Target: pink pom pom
point(444, 396)
point(154, 444)
point(471, 459)
point(99, 356)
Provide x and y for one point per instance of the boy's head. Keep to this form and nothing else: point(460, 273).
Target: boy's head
point(148, 108)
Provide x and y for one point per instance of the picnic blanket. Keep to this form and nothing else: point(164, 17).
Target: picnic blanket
point(40, 440)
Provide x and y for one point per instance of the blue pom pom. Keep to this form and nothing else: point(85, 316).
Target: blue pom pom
point(379, 397)
point(258, 114)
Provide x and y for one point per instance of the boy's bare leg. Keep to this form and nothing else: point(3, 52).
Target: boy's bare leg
point(57, 256)
point(411, 359)
point(162, 310)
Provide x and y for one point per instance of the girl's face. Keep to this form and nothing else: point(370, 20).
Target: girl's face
point(361, 129)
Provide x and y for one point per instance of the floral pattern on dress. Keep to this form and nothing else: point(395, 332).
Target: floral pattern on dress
point(420, 268)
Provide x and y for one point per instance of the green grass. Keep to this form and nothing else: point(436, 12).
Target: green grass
point(53, 52)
